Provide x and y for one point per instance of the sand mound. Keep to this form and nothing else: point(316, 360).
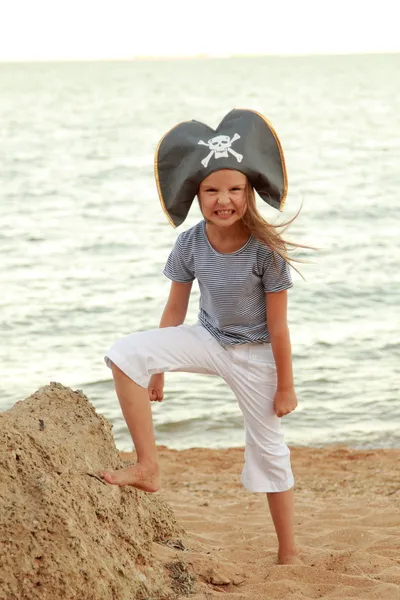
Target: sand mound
point(64, 533)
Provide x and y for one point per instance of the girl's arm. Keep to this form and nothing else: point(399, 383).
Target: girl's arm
point(285, 397)
point(174, 314)
point(177, 304)
point(280, 337)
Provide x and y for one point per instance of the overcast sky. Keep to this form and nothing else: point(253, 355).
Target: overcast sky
point(112, 29)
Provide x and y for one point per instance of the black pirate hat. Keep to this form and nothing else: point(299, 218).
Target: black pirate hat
point(244, 141)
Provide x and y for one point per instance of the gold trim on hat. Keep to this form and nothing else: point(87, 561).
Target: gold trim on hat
point(285, 178)
point(157, 177)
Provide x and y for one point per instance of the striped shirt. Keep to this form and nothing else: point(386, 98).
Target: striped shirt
point(232, 286)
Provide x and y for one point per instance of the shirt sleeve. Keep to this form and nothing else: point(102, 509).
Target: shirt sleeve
point(178, 267)
point(276, 274)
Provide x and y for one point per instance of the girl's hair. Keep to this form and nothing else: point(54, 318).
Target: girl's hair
point(269, 234)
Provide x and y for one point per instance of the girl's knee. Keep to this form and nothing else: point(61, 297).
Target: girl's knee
point(116, 371)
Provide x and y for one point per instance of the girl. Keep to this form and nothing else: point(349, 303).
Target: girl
point(241, 264)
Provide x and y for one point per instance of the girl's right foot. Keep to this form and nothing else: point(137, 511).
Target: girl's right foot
point(141, 476)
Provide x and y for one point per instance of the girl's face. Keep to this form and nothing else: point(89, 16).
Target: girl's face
point(223, 198)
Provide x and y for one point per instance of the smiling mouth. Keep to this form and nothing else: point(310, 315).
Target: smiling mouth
point(224, 213)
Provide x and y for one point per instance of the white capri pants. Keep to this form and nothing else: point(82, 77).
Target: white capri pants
point(248, 369)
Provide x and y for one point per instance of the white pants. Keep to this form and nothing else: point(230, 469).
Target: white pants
point(248, 369)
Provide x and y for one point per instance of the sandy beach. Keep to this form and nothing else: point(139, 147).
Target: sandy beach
point(348, 525)
point(67, 534)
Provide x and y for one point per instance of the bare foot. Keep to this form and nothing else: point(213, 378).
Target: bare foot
point(289, 558)
point(146, 478)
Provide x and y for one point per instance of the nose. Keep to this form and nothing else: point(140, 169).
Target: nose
point(223, 198)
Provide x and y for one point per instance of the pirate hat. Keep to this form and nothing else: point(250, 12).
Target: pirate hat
point(244, 141)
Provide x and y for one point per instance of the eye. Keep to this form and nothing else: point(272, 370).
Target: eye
point(236, 189)
point(211, 190)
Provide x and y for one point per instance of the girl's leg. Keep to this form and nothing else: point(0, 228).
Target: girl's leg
point(135, 406)
point(133, 360)
point(281, 505)
point(252, 377)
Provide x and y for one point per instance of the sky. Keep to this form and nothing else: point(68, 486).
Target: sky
point(125, 29)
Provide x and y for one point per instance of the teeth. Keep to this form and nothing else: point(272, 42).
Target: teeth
point(224, 212)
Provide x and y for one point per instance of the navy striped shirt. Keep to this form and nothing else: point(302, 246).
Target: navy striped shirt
point(232, 286)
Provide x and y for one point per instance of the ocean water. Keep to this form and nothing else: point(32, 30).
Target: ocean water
point(83, 239)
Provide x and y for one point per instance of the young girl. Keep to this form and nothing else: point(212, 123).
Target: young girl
point(241, 264)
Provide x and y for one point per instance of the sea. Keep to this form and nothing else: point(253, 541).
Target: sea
point(83, 238)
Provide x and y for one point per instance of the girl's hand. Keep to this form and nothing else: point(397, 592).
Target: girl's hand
point(285, 402)
point(156, 387)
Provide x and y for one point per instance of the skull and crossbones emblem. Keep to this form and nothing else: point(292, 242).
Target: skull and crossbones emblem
point(219, 147)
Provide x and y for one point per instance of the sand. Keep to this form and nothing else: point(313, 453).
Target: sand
point(66, 534)
point(347, 524)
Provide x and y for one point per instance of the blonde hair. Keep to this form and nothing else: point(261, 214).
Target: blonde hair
point(268, 233)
